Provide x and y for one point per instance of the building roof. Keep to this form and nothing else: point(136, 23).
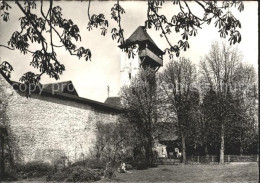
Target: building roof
point(113, 101)
point(61, 87)
point(140, 35)
point(64, 95)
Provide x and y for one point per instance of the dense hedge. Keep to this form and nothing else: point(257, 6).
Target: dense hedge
point(76, 174)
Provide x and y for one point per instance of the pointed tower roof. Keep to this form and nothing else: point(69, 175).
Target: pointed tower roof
point(140, 35)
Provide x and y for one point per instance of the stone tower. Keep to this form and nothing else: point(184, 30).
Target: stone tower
point(147, 54)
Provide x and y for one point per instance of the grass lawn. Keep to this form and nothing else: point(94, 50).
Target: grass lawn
point(234, 172)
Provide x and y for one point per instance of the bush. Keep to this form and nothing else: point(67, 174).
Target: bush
point(10, 176)
point(34, 169)
point(128, 167)
point(95, 164)
point(75, 173)
point(141, 166)
point(139, 163)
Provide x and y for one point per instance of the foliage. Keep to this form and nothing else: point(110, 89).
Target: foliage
point(113, 142)
point(225, 104)
point(6, 68)
point(97, 20)
point(140, 162)
point(234, 93)
point(176, 86)
point(34, 169)
point(141, 109)
point(242, 131)
point(187, 23)
point(116, 10)
point(10, 175)
point(91, 163)
point(40, 30)
point(75, 174)
point(211, 128)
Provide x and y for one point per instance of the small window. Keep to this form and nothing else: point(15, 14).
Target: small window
point(129, 74)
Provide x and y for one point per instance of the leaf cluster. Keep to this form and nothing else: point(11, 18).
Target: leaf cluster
point(33, 30)
point(187, 23)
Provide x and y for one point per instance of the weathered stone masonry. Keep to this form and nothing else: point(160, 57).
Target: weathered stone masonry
point(46, 127)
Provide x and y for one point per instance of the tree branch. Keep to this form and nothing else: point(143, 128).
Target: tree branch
point(51, 2)
point(119, 23)
point(89, 10)
point(29, 18)
point(7, 47)
point(158, 16)
point(58, 34)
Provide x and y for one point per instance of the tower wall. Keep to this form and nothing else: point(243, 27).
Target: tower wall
point(129, 67)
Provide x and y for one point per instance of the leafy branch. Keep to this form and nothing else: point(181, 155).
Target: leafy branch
point(32, 29)
point(187, 23)
point(97, 21)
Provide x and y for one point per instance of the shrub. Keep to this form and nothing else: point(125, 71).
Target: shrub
point(114, 141)
point(91, 163)
point(95, 164)
point(75, 173)
point(140, 163)
point(34, 169)
point(141, 166)
point(128, 167)
point(10, 176)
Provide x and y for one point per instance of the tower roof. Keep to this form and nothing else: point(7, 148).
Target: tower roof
point(140, 35)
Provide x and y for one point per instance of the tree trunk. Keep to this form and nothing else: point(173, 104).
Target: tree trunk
point(222, 145)
point(241, 143)
point(206, 151)
point(241, 150)
point(183, 148)
point(149, 149)
point(148, 154)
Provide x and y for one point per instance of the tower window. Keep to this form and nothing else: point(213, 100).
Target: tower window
point(129, 75)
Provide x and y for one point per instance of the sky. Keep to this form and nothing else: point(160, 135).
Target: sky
point(91, 78)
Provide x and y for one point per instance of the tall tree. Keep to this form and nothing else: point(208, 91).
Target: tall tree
point(140, 104)
point(245, 108)
point(218, 69)
point(176, 83)
point(210, 129)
